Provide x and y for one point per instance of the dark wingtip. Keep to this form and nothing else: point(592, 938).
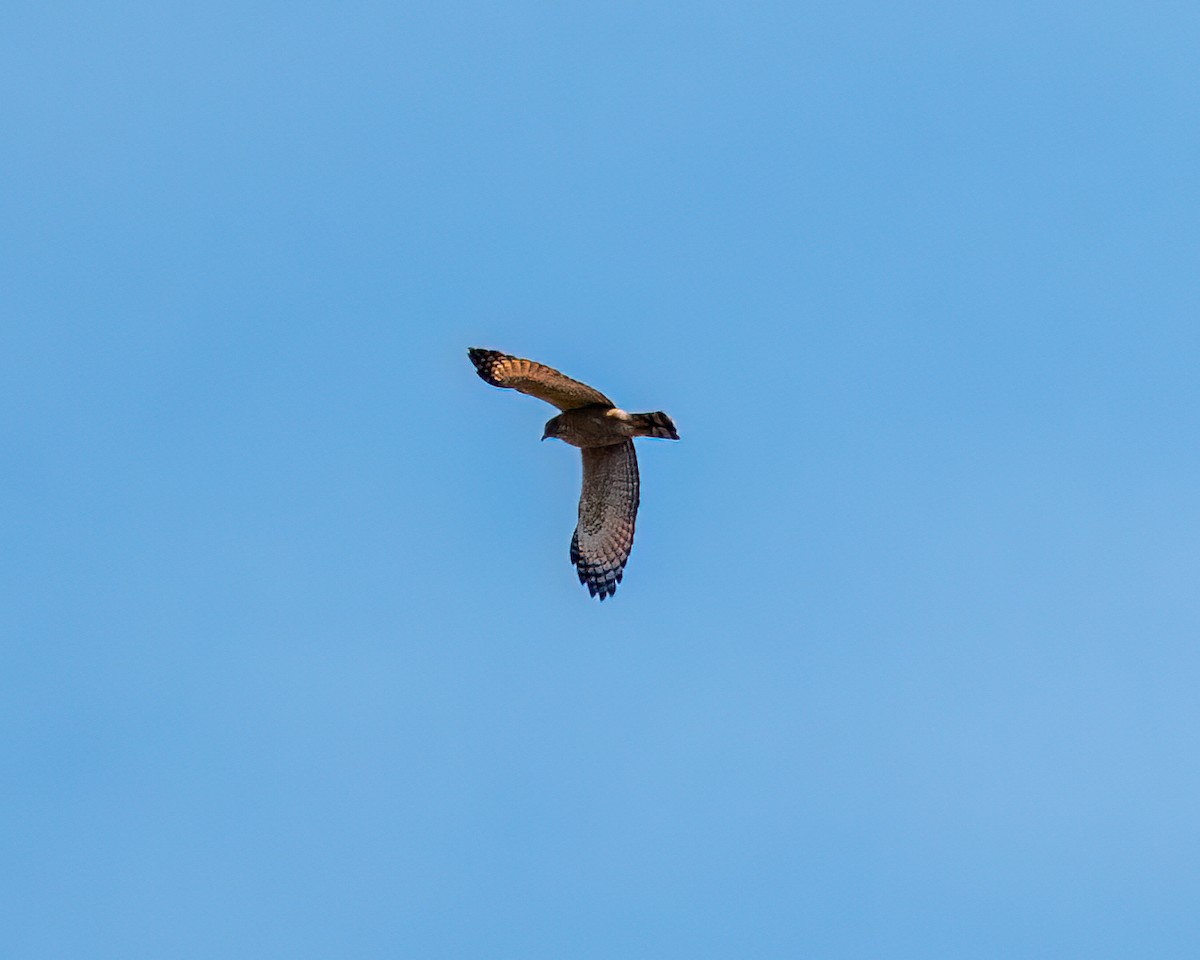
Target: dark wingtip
point(662, 426)
point(600, 587)
point(600, 583)
point(484, 360)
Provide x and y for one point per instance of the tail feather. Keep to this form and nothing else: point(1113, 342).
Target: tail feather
point(656, 424)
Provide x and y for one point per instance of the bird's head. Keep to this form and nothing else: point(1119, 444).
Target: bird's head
point(553, 428)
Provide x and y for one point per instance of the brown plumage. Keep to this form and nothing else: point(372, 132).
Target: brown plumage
point(604, 433)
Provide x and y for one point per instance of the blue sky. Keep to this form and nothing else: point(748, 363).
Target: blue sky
point(905, 662)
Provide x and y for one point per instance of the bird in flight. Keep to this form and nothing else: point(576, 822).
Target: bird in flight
point(604, 434)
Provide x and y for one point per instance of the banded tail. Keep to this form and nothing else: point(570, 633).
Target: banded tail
point(656, 424)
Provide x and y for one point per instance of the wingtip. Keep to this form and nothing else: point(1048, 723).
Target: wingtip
point(601, 586)
point(484, 361)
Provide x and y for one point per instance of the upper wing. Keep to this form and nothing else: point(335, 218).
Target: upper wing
point(526, 376)
point(607, 514)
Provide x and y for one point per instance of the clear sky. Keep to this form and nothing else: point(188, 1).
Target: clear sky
point(906, 663)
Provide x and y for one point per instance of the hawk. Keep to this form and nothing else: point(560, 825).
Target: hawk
point(604, 434)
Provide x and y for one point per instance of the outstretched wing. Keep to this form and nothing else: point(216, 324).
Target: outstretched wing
point(535, 379)
point(607, 514)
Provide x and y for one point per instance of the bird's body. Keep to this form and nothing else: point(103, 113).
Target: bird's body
point(604, 433)
point(599, 426)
